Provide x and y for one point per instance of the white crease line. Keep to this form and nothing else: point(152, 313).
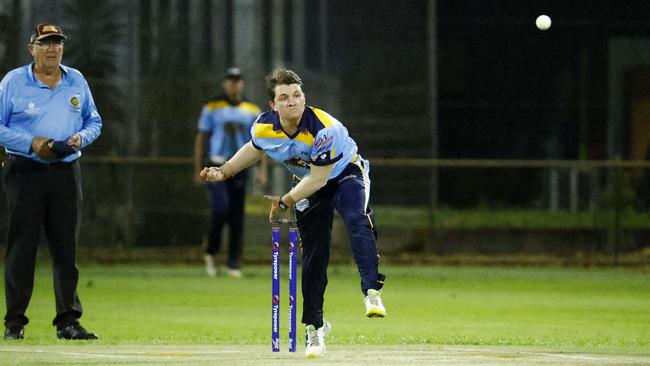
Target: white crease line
point(536, 353)
point(566, 356)
point(102, 355)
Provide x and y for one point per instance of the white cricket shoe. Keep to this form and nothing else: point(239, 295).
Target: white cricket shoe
point(234, 273)
point(374, 306)
point(316, 339)
point(210, 267)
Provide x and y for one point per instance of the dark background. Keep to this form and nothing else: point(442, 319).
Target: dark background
point(499, 88)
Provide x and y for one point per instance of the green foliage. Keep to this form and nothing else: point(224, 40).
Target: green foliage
point(615, 207)
point(171, 90)
point(4, 35)
point(10, 18)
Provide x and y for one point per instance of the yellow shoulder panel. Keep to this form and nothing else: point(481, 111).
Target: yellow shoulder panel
point(250, 107)
point(265, 131)
point(325, 118)
point(217, 104)
point(306, 138)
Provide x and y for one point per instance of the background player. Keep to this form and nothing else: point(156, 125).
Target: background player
point(225, 125)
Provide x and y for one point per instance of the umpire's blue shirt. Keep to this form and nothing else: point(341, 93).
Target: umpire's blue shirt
point(29, 108)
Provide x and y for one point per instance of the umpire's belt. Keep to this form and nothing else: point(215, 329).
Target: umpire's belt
point(23, 164)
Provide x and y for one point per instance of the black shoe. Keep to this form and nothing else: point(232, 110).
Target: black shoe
point(75, 331)
point(14, 332)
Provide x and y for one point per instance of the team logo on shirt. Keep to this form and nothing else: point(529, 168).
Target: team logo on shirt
point(324, 141)
point(74, 102)
point(31, 108)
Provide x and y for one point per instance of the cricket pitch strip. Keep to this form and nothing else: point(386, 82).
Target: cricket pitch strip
point(83, 353)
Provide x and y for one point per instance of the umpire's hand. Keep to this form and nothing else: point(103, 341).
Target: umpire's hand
point(41, 148)
point(75, 141)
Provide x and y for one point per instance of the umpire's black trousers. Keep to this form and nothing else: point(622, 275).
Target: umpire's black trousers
point(42, 199)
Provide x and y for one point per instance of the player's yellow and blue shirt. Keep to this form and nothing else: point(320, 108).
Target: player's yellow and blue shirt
point(320, 140)
point(229, 125)
point(29, 108)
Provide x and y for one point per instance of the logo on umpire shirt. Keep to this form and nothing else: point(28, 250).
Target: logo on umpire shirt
point(74, 102)
point(31, 108)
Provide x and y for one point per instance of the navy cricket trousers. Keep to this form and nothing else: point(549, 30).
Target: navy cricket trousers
point(349, 194)
point(227, 201)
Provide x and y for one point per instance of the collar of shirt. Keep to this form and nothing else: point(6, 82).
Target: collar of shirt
point(302, 125)
point(32, 77)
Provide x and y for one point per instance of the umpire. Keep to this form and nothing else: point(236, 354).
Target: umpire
point(47, 115)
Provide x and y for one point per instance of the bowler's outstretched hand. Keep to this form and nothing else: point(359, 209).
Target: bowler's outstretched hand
point(213, 174)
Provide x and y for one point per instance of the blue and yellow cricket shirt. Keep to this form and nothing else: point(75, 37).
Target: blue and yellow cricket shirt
point(229, 125)
point(29, 108)
point(320, 140)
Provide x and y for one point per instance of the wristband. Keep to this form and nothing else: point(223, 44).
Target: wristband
point(282, 205)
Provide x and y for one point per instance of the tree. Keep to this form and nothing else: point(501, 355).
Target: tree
point(94, 30)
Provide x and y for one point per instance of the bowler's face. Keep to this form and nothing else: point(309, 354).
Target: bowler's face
point(289, 101)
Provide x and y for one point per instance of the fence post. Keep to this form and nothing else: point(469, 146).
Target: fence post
point(573, 182)
point(553, 190)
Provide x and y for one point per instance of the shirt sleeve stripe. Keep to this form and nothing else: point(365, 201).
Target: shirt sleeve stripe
point(255, 145)
point(329, 162)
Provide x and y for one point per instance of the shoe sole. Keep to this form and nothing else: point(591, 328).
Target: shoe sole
point(376, 313)
point(77, 339)
point(316, 355)
point(64, 337)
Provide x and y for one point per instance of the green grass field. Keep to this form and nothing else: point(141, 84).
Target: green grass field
point(176, 311)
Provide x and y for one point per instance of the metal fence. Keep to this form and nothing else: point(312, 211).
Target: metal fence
point(142, 202)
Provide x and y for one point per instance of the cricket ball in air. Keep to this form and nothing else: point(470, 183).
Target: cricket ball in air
point(543, 22)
